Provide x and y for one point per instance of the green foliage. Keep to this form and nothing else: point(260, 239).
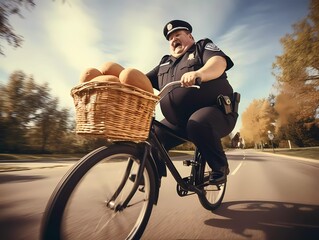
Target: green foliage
point(8, 8)
point(300, 133)
point(7, 32)
point(29, 116)
point(31, 120)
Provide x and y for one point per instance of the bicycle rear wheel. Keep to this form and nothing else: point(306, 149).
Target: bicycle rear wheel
point(79, 209)
point(213, 194)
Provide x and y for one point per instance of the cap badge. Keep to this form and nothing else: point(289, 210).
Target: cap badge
point(169, 26)
point(191, 56)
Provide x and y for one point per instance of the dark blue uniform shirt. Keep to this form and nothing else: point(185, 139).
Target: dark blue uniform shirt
point(182, 102)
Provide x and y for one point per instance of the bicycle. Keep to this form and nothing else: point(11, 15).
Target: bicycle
point(127, 179)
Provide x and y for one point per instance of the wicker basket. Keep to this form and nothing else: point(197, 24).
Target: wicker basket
point(117, 111)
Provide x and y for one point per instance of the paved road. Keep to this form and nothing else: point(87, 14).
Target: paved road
point(268, 197)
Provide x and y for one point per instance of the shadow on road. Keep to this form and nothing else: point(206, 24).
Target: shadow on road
point(5, 178)
point(19, 227)
point(277, 220)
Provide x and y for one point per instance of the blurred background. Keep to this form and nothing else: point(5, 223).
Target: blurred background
point(46, 45)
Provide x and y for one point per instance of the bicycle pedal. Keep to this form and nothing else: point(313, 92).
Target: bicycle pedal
point(186, 162)
point(190, 163)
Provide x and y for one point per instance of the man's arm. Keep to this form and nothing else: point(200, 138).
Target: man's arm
point(213, 68)
point(152, 76)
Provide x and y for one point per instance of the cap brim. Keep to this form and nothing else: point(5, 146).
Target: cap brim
point(175, 29)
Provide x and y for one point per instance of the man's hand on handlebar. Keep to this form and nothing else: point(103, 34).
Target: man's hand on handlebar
point(189, 79)
point(177, 84)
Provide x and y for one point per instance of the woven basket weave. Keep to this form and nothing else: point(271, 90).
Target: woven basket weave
point(115, 110)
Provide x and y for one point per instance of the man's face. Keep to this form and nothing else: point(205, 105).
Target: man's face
point(179, 42)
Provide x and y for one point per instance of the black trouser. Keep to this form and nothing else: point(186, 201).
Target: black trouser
point(204, 128)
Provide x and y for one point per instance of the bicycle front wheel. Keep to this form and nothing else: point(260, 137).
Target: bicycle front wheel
point(80, 206)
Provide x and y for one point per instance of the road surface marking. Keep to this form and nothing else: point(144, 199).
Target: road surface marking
point(237, 168)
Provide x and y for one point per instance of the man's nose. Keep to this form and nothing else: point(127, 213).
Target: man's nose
point(172, 38)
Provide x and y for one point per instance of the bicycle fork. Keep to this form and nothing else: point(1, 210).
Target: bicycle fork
point(144, 148)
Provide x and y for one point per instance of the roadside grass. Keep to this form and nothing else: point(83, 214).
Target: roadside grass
point(12, 168)
point(7, 156)
point(311, 152)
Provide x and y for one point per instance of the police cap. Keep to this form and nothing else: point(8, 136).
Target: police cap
point(175, 25)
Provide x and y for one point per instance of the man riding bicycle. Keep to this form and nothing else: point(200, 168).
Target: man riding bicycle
point(196, 114)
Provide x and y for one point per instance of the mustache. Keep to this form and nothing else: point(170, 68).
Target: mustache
point(176, 43)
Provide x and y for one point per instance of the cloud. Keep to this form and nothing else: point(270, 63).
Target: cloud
point(140, 46)
point(251, 52)
point(61, 40)
point(73, 34)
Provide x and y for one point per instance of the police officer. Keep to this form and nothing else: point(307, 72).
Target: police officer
point(194, 113)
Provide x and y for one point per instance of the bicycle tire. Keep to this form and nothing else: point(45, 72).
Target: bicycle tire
point(213, 194)
point(75, 211)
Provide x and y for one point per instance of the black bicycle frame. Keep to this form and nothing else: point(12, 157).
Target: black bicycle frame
point(145, 149)
point(155, 143)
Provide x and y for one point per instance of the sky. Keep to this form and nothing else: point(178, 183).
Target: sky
point(61, 39)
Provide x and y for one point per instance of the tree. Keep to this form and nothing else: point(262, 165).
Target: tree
point(297, 70)
point(257, 120)
point(7, 32)
point(8, 8)
point(297, 75)
point(52, 125)
point(14, 112)
point(30, 116)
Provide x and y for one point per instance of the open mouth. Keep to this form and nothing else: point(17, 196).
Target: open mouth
point(176, 44)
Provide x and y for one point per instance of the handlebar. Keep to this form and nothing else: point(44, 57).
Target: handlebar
point(176, 84)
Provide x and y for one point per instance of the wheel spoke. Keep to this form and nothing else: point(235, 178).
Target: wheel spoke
point(213, 194)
